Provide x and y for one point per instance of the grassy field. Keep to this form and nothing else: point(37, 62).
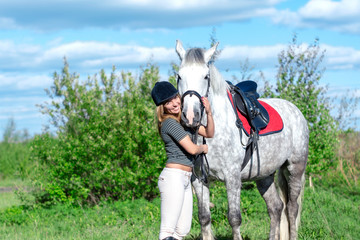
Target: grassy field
point(331, 210)
point(327, 214)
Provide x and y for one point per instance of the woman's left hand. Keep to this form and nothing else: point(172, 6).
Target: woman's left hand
point(206, 103)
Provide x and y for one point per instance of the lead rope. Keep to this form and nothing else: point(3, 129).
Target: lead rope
point(201, 161)
point(204, 169)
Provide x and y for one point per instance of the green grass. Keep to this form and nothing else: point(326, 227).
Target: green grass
point(326, 215)
point(8, 199)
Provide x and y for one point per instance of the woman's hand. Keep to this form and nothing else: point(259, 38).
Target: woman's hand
point(209, 130)
point(192, 148)
point(206, 103)
point(205, 148)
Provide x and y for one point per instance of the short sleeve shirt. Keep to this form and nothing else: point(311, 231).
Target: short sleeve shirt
point(172, 133)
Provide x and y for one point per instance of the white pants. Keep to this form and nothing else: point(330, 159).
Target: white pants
point(176, 203)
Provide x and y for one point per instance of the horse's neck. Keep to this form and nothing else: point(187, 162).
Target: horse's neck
point(221, 108)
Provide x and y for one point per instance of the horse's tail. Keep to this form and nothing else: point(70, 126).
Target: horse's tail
point(283, 190)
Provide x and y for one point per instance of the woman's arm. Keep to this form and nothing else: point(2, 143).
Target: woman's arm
point(209, 130)
point(192, 148)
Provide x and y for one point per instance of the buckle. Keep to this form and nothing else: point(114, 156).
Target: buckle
point(238, 123)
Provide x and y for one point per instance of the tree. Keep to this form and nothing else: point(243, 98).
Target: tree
point(298, 77)
point(10, 131)
point(11, 135)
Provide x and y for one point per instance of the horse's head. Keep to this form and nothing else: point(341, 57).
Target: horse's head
point(193, 81)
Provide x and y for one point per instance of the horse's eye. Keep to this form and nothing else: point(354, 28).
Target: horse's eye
point(207, 77)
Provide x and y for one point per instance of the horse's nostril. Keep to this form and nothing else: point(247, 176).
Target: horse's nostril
point(197, 115)
point(183, 118)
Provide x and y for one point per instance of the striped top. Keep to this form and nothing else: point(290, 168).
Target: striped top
point(172, 133)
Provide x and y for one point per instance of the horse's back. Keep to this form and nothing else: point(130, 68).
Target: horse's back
point(295, 130)
point(290, 144)
point(288, 112)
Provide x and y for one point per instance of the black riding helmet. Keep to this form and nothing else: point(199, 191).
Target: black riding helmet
point(162, 92)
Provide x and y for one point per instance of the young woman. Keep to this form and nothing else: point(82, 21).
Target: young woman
point(174, 181)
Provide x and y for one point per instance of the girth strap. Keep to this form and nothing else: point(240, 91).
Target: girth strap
point(252, 143)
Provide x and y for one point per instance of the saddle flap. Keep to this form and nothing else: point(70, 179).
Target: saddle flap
point(262, 119)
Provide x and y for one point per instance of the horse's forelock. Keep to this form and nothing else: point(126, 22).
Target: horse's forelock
point(194, 55)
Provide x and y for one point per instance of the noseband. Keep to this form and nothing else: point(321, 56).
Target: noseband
point(192, 92)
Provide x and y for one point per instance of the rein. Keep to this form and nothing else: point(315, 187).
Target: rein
point(199, 159)
point(201, 162)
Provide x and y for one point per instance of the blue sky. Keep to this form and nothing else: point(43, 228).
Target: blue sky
point(36, 35)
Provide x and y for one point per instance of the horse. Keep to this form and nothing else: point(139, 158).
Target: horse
point(284, 152)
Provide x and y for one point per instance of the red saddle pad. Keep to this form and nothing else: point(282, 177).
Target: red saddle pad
point(275, 122)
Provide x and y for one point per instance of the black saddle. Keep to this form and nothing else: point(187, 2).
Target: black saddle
point(245, 100)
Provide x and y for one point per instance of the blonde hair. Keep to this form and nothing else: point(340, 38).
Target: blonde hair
point(161, 115)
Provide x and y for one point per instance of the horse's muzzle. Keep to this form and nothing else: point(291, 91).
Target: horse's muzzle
point(191, 115)
point(192, 108)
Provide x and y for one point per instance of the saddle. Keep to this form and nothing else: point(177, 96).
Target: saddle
point(245, 97)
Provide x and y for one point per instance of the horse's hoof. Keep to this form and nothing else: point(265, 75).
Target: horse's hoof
point(170, 238)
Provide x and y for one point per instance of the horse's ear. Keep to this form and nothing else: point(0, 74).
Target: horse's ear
point(180, 50)
point(210, 52)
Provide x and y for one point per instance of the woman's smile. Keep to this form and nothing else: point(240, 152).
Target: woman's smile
point(173, 106)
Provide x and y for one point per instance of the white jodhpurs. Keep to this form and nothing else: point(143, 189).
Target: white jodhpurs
point(176, 203)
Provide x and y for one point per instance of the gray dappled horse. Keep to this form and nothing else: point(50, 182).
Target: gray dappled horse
point(285, 151)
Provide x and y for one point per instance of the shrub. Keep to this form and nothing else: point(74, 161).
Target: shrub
point(107, 145)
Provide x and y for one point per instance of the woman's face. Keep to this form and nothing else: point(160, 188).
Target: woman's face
point(173, 106)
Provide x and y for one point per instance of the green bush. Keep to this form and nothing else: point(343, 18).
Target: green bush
point(107, 145)
point(15, 215)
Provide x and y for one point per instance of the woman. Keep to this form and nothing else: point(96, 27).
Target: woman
point(174, 181)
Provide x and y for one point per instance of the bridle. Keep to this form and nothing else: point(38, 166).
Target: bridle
point(193, 92)
point(200, 159)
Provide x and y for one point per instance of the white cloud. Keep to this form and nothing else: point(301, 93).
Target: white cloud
point(7, 23)
point(338, 57)
point(135, 14)
point(19, 81)
point(330, 10)
point(253, 52)
point(91, 55)
point(341, 16)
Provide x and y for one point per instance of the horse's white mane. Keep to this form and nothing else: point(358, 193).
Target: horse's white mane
point(218, 83)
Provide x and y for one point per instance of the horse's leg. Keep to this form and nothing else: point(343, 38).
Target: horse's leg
point(274, 204)
point(295, 173)
point(203, 196)
point(233, 187)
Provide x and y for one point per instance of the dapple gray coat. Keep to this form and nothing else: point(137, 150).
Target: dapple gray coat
point(285, 152)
